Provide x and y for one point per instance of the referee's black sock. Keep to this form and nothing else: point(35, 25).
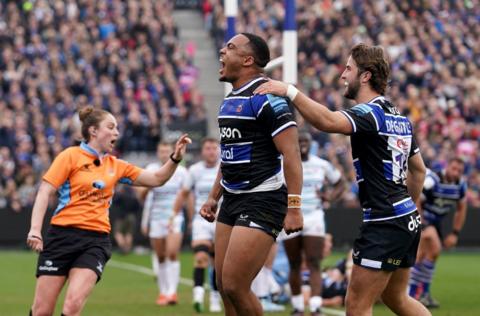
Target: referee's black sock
point(30, 314)
point(198, 276)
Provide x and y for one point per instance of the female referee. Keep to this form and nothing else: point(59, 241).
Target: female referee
point(77, 245)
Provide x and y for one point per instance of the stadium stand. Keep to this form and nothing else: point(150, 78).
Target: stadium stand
point(57, 56)
point(435, 67)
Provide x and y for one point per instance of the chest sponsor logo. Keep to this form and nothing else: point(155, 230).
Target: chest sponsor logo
point(228, 132)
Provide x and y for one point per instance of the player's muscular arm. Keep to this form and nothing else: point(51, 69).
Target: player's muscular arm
point(416, 176)
point(317, 114)
point(287, 144)
point(320, 116)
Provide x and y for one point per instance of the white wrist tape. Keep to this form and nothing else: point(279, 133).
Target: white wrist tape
point(291, 92)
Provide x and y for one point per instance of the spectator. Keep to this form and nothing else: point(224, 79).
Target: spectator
point(59, 56)
point(437, 69)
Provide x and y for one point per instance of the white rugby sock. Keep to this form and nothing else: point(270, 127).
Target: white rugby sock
point(260, 284)
point(297, 302)
point(162, 278)
point(155, 263)
point(173, 275)
point(315, 303)
point(198, 294)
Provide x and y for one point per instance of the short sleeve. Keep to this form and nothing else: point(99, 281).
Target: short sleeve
point(274, 113)
point(365, 118)
point(60, 169)
point(128, 172)
point(188, 182)
point(413, 148)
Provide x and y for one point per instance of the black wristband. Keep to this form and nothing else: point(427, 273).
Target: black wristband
point(455, 232)
point(174, 160)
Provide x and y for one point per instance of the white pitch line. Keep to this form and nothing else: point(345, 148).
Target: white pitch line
point(188, 282)
point(142, 270)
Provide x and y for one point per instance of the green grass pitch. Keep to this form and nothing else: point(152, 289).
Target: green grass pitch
point(127, 292)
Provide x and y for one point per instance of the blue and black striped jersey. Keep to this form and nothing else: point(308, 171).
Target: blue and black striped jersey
point(440, 196)
point(248, 123)
point(382, 142)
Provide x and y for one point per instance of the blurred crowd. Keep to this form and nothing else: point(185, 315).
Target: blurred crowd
point(124, 56)
point(58, 56)
point(434, 50)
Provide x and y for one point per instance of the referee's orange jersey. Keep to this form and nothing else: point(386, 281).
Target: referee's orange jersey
point(85, 186)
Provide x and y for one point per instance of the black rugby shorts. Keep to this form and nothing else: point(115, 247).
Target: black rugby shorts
point(259, 210)
point(67, 247)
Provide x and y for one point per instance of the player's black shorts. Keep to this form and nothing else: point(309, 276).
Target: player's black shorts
point(388, 244)
point(67, 247)
point(262, 210)
point(436, 224)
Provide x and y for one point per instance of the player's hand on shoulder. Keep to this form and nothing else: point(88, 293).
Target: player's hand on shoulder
point(209, 209)
point(293, 221)
point(273, 87)
point(35, 241)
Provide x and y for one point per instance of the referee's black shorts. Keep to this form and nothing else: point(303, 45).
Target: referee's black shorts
point(388, 244)
point(260, 210)
point(67, 247)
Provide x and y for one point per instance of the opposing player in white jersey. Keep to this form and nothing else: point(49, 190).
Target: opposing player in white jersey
point(201, 177)
point(309, 242)
point(164, 227)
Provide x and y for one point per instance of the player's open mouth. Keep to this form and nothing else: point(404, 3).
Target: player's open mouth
point(222, 65)
point(112, 142)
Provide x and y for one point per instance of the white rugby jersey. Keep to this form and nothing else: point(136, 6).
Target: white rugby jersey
point(315, 172)
point(200, 180)
point(160, 200)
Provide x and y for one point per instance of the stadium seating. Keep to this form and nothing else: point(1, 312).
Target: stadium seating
point(434, 48)
point(57, 56)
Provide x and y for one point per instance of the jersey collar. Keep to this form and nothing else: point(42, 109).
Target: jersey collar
point(89, 149)
point(247, 85)
point(378, 98)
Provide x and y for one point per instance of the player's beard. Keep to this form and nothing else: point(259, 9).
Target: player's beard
point(352, 89)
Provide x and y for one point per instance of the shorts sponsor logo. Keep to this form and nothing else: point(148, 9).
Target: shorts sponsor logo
point(48, 266)
point(414, 223)
point(395, 262)
point(243, 216)
point(356, 253)
point(100, 266)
